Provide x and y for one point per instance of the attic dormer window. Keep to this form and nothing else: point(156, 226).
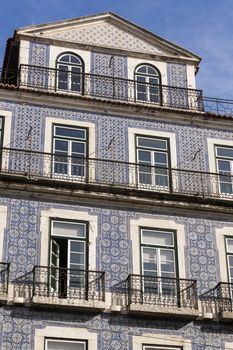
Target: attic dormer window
point(70, 70)
point(148, 84)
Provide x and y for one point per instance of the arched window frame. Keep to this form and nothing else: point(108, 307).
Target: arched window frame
point(146, 88)
point(70, 75)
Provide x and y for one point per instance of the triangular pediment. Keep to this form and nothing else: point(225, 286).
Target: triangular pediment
point(109, 31)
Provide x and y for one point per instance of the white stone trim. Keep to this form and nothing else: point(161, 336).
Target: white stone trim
point(56, 51)
point(211, 151)
point(48, 147)
point(3, 222)
point(65, 122)
point(220, 241)
point(46, 215)
point(160, 340)
point(6, 127)
point(24, 47)
point(133, 62)
point(132, 132)
point(211, 142)
point(162, 224)
point(228, 346)
point(64, 333)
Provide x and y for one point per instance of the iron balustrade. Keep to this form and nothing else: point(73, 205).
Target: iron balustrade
point(218, 106)
point(108, 87)
point(4, 278)
point(115, 88)
point(218, 299)
point(66, 283)
point(161, 291)
point(117, 174)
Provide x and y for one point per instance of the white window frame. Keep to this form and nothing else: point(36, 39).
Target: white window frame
point(85, 343)
point(48, 145)
point(221, 235)
point(218, 171)
point(152, 165)
point(147, 77)
point(69, 163)
point(64, 333)
point(132, 132)
point(212, 143)
point(69, 240)
point(69, 66)
point(160, 347)
point(63, 215)
point(162, 341)
point(163, 224)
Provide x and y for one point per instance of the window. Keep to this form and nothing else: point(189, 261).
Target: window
point(158, 260)
point(70, 149)
point(224, 159)
point(148, 83)
point(68, 256)
point(158, 252)
point(1, 131)
point(70, 72)
point(153, 160)
point(229, 251)
point(155, 347)
point(56, 344)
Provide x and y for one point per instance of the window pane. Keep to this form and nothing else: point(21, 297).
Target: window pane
point(69, 132)
point(78, 147)
point(157, 238)
point(61, 145)
point(160, 158)
point(151, 71)
point(152, 143)
point(74, 59)
point(224, 165)
point(77, 247)
point(141, 69)
point(225, 152)
point(69, 229)
point(229, 242)
point(64, 58)
point(144, 156)
point(64, 345)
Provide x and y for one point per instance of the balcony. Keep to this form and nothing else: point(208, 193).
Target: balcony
point(162, 296)
point(217, 303)
point(43, 79)
point(106, 176)
point(4, 282)
point(102, 87)
point(62, 287)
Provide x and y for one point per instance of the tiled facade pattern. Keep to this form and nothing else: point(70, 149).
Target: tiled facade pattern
point(22, 247)
point(106, 34)
point(114, 255)
point(22, 236)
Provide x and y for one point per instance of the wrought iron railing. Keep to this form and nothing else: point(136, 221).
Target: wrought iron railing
point(115, 174)
point(108, 87)
point(4, 278)
point(66, 283)
point(162, 291)
point(218, 299)
point(114, 88)
point(218, 106)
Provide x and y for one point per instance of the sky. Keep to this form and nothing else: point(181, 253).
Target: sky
point(204, 27)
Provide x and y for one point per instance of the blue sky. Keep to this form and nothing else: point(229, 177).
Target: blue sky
point(202, 26)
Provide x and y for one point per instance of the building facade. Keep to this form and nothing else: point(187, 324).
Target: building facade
point(116, 226)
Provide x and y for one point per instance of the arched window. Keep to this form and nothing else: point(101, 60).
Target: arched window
point(70, 72)
point(148, 80)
